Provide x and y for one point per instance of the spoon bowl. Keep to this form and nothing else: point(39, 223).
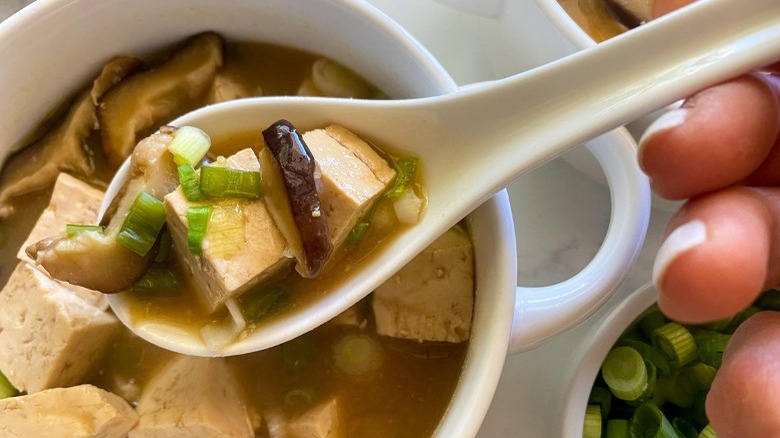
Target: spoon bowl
point(475, 141)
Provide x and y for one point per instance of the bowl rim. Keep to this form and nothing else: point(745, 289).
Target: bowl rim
point(597, 341)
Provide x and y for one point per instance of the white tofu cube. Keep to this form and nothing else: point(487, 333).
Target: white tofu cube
point(49, 336)
point(72, 202)
point(431, 298)
point(221, 276)
point(78, 412)
point(193, 397)
point(353, 175)
point(321, 421)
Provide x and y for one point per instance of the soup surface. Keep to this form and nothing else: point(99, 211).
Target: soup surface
point(350, 376)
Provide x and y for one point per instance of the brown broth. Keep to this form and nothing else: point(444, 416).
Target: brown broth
point(593, 18)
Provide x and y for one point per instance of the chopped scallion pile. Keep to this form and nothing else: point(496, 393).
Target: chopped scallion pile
point(142, 224)
point(681, 363)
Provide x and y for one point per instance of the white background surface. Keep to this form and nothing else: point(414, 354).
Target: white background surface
point(561, 215)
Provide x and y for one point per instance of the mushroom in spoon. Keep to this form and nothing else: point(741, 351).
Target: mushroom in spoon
point(473, 142)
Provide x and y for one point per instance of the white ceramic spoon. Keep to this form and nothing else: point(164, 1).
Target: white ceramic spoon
point(474, 142)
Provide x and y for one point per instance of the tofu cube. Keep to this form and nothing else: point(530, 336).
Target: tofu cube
point(431, 298)
point(72, 202)
point(353, 175)
point(321, 421)
point(220, 276)
point(193, 397)
point(78, 412)
point(49, 336)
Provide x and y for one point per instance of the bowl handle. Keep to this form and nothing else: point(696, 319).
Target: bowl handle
point(543, 312)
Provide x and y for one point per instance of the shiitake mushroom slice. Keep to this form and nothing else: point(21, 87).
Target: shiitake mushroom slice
point(630, 13)
point(297, 169)
point(141, 102)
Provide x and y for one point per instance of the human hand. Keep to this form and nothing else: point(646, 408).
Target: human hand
point(721, 149)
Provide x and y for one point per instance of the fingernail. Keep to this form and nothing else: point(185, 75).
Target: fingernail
point(682, 239)
point(670, 119)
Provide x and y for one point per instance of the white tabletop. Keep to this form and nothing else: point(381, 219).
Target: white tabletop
point(561, 217)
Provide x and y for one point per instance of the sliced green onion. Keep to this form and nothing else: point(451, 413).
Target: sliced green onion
point(711, 346)
point(684, 429)
point(741, 317)
point(357, 354)
point(652, 378)
point(677, 389)
point(702, 375)
point(618, 428)
point(649, 353)
point(708, 432)
point(190, 183)
point(591, 428)
point(72, 230)
point(357, 232)
point(217, 181)
point(6, 388)
point(142, 224)
point(625, 373)
point(159, 282)
point(299, 396)
point(189, 145)
point(769, 300)
point(260, 304)
point(405, 169)
point(649, 422)
point(602, 397)
point(197, 222)
point(650, 321)
point(166, 245)
point(677, 342)
point(227, 229)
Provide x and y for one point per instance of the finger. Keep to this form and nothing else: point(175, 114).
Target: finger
point(768, 173)
point(721, 251)
point(718, 137)
point(743, 401)
point(662, 7)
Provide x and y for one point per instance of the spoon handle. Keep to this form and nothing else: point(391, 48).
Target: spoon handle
point(537, 115)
